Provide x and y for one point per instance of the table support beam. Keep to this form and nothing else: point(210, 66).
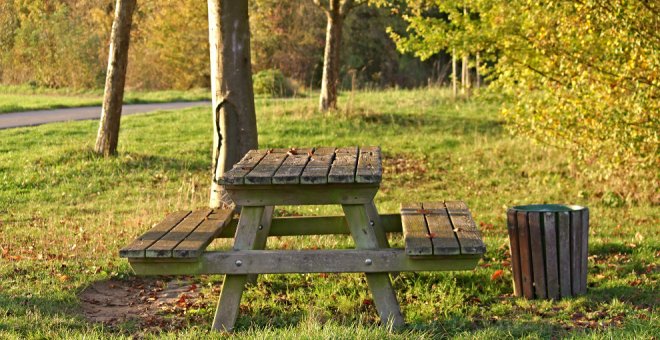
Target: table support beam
point(232, 287)
point(365, 237)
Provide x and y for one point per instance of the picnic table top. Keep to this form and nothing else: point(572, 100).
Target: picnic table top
point(320, 165)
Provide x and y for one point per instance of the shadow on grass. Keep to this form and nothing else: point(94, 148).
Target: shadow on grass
point(479, 125)
point(609, 249)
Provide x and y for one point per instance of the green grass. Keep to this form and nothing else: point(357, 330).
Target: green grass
point(65, 212)
point(26, 98)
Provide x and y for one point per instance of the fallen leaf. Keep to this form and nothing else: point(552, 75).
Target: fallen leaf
point(63, 277)
point(497, 274)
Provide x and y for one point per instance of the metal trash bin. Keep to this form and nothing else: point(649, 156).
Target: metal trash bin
point(549, 249)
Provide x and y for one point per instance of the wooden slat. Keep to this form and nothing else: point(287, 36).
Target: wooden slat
point(369, 168)
point(415, 231)
point(538, 263)
point(195, 243)
point(137, 248)
point(469, 237)
point(291, 169)
point(551, 267)
point(164, 246)
point(525, 255)
point(237, 174)
point(440, 229)
point(576, 245)
point(349, 150)
point(585, 250)
point(564, 253)
point(293, 151)
point(323, 151)
point(305, 261)
point(316, 170)
point(514, 247)
point(344, 166)
point(264, 171)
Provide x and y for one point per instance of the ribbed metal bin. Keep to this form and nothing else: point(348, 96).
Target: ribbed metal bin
point(549, 249)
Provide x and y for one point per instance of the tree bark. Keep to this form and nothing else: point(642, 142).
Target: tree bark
point(108, 134)
point(330, 79)
point(234, 118)
point(478, 85)
point(465, 83)
point(454, 69)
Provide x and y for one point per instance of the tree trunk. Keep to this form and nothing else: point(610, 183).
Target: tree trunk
point(477, 68)
point(331, 60)
point(234, 118)
point(108, 134)
point(454, 69)
point(465, 82)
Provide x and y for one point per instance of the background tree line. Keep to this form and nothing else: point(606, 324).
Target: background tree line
point(64, 43)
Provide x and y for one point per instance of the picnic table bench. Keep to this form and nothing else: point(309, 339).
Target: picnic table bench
point(438, 236)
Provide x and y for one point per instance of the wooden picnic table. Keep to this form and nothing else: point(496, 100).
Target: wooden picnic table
point(438, 235)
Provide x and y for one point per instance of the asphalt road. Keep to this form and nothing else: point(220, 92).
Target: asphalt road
point(30, 118)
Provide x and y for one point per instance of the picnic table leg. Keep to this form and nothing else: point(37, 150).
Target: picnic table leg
point(232, 287)
point(262, 237)
point(372, 213)
point(366, 237)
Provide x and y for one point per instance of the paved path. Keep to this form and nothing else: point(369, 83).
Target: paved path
point(29, 118)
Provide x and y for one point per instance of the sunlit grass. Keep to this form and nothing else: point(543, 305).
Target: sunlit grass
point(65, 212)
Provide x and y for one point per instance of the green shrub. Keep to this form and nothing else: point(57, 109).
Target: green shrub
point(272, 83)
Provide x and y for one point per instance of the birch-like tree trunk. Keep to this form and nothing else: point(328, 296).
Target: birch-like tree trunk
point(336, 11)
point(478, 80)
point(113, 97)
point(454, 69)
point(234, 118)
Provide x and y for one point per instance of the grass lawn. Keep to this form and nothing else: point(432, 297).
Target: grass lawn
point(64, 214)
point(25, 98)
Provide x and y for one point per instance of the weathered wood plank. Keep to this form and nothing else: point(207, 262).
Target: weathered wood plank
point(538, 263)
point(348, 150)
point(262, 236)
point(237, 174)
point(324, 151)
point(365, 237)
point(264, 171)
point(164, 246)
point(415, 231)
point(316, 170)
point(514, 247)
point(233, 285)
point(284, 194)
point(291, 169)
point(344, 166)
point(576, 244)
point(138, 247)
point(316, 225)
point(469, 237)
point(551, 267)
point(525, 255)
point(195, 243)
point(440, 229)
point(585, 250)
point(564, 254)
point(305, 261)
point(369, 167)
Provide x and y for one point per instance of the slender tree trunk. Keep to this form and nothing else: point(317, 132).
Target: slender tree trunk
point(234, 119)
point(454, 69)
point(330, 79)
point(108, 134)
point(477, 68)
point(465, 83)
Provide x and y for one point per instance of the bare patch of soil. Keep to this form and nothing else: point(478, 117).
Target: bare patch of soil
point(151, 303)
